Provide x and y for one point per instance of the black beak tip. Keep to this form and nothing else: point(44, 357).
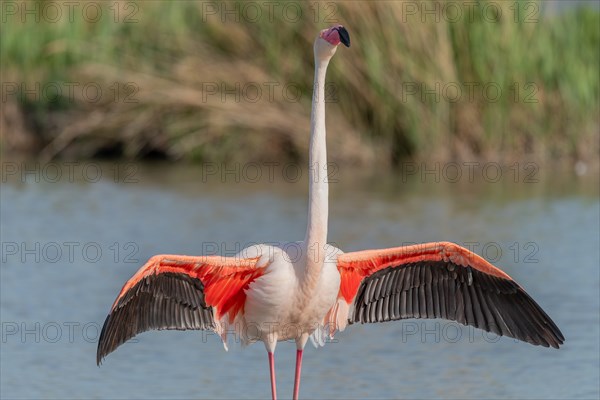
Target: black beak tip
point(344, 36)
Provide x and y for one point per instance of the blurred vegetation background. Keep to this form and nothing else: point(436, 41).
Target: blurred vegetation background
point(232, 81)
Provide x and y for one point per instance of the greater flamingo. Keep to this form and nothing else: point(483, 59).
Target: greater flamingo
point(304, 289)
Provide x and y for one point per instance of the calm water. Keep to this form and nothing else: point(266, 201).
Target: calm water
point(68, 245)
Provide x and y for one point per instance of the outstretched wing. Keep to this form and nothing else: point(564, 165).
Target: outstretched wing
point(439, 280)
point(177, 292)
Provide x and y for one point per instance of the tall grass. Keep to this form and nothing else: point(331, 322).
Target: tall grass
point(394, 94)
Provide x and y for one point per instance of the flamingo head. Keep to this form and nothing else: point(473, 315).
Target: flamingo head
point(328, 40)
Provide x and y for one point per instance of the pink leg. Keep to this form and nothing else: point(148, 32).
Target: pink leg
point(272, 371)
point(298, 372)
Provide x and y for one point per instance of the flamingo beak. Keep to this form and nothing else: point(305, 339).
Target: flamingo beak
point(344, 36)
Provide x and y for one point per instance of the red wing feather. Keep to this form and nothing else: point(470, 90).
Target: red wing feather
point(355, 266)
point(224, 278)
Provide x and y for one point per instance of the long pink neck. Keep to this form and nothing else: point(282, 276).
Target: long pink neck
point(316, 231)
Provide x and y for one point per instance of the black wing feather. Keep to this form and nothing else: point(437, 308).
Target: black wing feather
point(163, 301)
point(463, 294)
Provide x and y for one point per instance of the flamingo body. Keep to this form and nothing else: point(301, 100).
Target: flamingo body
point(276, 303)
point(312, 289)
